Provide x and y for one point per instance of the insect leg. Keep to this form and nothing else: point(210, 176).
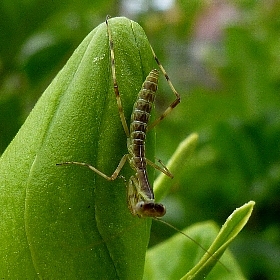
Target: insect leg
point(109, 178)
point(174, 103)
point(161, 168)
point(116, 87)
point(132, 194)
point(141, 205)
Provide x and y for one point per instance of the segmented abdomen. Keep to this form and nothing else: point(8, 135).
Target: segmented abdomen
point(140, 117)
point(138, 126)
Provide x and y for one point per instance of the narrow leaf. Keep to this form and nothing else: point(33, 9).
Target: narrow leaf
point(233, 225)
point(175, 165)
point(172, 258)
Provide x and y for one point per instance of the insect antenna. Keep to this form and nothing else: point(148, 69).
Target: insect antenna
point(192, 239)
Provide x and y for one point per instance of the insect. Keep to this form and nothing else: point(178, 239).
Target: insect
point(141, 200)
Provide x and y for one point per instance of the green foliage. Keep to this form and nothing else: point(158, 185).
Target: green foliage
point(233, 104)
point(230, 97)
point(183, 253)
point(77, 118)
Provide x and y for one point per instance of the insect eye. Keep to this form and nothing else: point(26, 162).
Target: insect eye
point(139, 205)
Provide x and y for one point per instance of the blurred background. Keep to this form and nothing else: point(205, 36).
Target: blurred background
point(224, 59)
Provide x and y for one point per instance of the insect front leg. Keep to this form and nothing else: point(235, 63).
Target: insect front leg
point(136, 198)
point(132, 195)
point(139, 204)
point(109, 178)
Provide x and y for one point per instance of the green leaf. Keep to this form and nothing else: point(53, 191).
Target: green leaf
point(175, 165)
point(233, 225)
point(172, 258)
point(67, 222)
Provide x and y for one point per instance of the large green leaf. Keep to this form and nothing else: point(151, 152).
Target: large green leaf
point(67, 222)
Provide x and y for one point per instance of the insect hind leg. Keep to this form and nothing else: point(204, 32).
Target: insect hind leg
point(116, 87)
point(177, 95)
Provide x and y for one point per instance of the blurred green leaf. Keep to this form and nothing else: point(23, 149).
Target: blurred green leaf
point(175, 165)
point(173, 257)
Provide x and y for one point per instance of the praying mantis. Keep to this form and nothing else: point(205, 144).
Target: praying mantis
point(141, 200)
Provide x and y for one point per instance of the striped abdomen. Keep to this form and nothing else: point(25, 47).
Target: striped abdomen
point(138, 126)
